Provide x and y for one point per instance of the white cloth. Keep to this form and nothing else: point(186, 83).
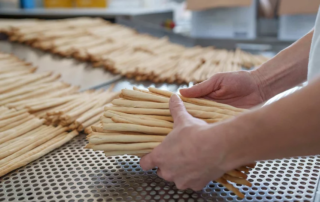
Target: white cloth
point(314, 57)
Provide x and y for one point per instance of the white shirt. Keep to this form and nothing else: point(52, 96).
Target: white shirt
point(314, 57)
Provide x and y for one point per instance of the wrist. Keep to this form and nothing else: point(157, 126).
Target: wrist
point(234, 135)
point(217, 140)
point(262, 84)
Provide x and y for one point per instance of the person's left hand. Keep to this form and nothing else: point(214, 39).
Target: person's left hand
point(186, 157)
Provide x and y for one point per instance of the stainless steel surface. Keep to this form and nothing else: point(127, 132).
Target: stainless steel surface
point(72, 71)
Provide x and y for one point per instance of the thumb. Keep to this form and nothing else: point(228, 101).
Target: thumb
point(199, 90)
point(178, 110)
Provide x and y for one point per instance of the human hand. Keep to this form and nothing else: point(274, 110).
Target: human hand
point(186, 157)
point(240, 89)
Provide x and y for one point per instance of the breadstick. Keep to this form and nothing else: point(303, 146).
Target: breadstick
point(26, 127)
point(197, 100)
point(123, 147)
point(89, 114)
point(102, 138)
point(145, 122)
point(111, 113)
point(223, 182)
point(12, 114)
point(135, 153)
point(238, 174)
point(237, 180)
point(244, 169)
point(131, 128)
point(89, 122)
point(37, 152)
point(13, 119)
point(141, 111)
point(15, 124)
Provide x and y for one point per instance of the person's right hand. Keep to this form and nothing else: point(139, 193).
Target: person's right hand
point(239, 89)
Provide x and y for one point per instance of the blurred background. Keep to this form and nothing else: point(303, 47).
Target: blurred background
point(257, 25)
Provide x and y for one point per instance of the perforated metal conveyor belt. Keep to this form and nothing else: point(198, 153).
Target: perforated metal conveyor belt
point(72, 174)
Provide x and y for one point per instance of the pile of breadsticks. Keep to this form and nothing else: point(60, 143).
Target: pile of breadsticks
point(139, 120)
point(24, 138)
point(42, 95)
point(30, 102)
point(124, 51)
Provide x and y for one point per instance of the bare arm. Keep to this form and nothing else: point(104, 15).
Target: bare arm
point(287, 69)
point(289, 127)
point(247, 89)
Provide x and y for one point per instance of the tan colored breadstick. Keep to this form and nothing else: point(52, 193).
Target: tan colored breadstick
point(103, 138)
point(26, 127)
point(143, 96)
point(23, 82)
point(253, 165)
point(198, 101)
point(244, 169)
point(223, 182)
point(12, 114)
point(145, 122)
point(123, 147)
point(166, 112)
point(70, 117)
point(153, 105)
point(140, 111)
point(237, 180)
point(135, 153)
point(238, 174)
point(15, 124)
point(89, 122)
point(49, 104)
point(131, 128)
point(32, 137)
point(111, 113)
point(37, 152)
point(104, 119)
point(13, 119)
point(86, 116)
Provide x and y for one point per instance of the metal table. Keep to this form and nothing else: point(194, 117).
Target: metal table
point(71, 174)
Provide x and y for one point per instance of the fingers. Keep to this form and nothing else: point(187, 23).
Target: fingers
point(199, 90)
point(178, 110)
point(147, 162)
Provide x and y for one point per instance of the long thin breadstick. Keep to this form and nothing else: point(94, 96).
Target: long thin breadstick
point(30, 125)
point(37, 152)
point(124, 147)
point(166, 112)
point(89, 122)
point(13, 114)
point(153, 105)
point(145, 122)
point(237, 180)
point(230, 187)
point(102, 138)
point(202, 102)
point(136, 152)
point(131, 128)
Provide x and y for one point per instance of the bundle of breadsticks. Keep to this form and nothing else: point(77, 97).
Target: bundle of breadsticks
point(24, 138)
point(42, 95)
point(123, 51)
point(139, 121)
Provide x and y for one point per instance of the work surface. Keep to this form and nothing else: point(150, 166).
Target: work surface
point(72, 173)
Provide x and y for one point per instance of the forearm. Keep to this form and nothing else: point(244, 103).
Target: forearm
point(286, 70)
point(286, 128)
